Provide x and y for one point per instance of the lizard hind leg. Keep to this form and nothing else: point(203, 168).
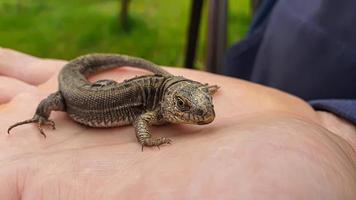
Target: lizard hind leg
point(55, 102)
point(210, 89)
point(103, 83)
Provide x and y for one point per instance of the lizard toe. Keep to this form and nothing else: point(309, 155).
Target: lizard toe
point(40, 120)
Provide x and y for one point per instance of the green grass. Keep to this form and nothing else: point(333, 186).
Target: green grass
point(66, 29)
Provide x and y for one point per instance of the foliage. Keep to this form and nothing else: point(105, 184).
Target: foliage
point(65, 29)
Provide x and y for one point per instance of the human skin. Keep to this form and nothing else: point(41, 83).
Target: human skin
point(263, 144)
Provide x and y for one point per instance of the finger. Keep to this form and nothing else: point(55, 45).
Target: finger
point(27, 68)
point(10, 87)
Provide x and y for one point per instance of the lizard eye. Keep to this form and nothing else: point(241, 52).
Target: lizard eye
point(181, 104)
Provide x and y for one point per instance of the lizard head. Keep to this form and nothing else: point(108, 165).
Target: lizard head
point(188, 102)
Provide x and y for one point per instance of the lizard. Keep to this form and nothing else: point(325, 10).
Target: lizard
point(141, 101)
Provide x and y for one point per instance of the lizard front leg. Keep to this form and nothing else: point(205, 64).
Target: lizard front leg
point(55, 102)
point(143, 135)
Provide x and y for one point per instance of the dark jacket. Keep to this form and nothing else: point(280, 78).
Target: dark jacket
point(304, 47)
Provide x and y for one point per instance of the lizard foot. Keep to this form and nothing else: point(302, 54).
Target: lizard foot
point(149, 142)
point(213, 89)
point(103, 83)
point(36, 119)
point(210, 89)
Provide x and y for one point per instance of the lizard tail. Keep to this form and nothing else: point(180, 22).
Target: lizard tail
point(92, 63)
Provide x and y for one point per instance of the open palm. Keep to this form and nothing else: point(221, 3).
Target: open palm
point(263, 144)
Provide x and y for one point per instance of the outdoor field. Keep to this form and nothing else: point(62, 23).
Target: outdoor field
point(65, 29)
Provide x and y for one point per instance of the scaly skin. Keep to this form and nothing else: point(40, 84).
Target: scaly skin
point(140, 101)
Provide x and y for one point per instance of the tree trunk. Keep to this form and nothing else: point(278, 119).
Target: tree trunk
point(216, 35)
point(124, 14)
point(254, 6)
point(193, 32)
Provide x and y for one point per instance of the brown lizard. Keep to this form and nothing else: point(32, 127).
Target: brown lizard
point(141, 101)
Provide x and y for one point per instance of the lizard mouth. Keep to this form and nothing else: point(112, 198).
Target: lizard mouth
point(207, 120)
point(203, 122)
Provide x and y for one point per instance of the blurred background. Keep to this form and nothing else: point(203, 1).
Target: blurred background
point(153, 29)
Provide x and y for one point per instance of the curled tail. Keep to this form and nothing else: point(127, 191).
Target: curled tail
point(92, 63)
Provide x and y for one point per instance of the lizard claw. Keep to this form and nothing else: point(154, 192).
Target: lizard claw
point(155, 142)
point(36, 119)
point(168, 141)
point(162, 140)
point(51, 123)
point(210, 89)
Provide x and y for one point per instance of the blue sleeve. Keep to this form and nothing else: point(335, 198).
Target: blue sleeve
point(345, 108)
point(303, 47)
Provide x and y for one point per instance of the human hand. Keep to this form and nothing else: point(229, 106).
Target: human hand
point(263, 144)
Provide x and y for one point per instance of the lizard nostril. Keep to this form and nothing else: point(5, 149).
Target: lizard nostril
point(200, 112)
